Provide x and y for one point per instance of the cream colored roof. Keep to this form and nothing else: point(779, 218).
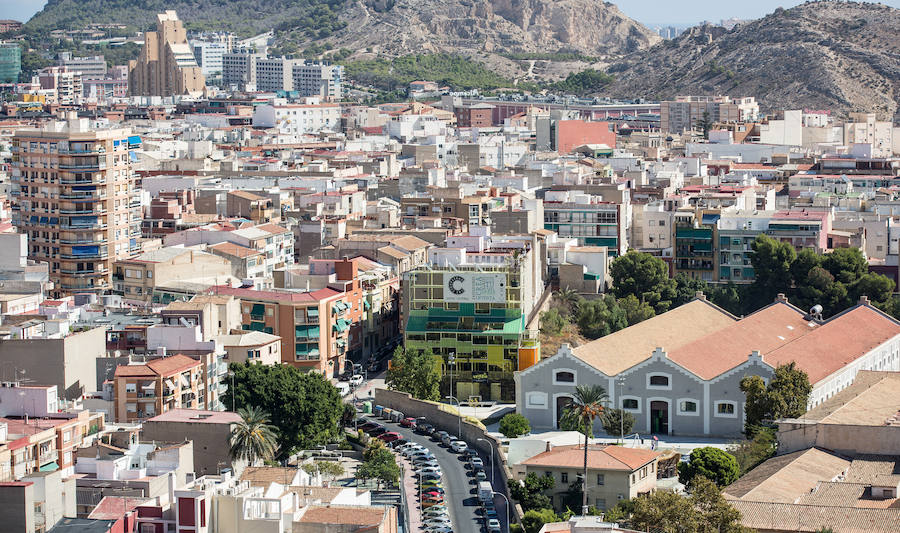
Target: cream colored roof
point(872, 399)
point(786, 478)
point(673, 329)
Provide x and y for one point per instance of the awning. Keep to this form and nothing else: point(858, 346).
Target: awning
point(307, 332)
point(184, 380)
point(312, 311)
point(171, 384)
point(258, 309)
point(366, 304)
point(341, 325)
point(134, 139)
point(342, 342)
point(49, 467)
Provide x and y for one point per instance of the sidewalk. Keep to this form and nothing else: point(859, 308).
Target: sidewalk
point(408, 484)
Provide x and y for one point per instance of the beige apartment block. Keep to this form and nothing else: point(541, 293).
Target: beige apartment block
point(75, 198)
point(137, 277)
point(166, 65)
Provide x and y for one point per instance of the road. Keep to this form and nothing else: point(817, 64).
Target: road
point(460, 494)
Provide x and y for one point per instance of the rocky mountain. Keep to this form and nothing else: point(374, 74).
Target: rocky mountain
point(492, 26)
point(393, 27)
point(819, 55)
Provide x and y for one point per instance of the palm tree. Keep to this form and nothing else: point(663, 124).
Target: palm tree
point(587, 405)
point(568, 299)
point(253, 438)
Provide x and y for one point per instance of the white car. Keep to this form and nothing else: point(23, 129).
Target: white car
point(431, 470)
point(442, 521)
point(409, 449)
point(356, 380)
point(435, 511)
point(439, 529)
point(459, 446)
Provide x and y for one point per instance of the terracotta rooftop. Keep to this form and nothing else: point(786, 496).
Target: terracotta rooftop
point(599, 457)
point(359, 516)
point(114, 507)
point(671, 330)
point(235, 250)
point(275, 296)
point(173, 364)
point(786, 477)
point(264, 475)
point(777, 517)
point(764, 331)
point(847, 337)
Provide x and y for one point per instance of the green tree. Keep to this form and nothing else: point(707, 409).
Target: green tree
point(379, 464)
point(618, 422)
point(329, 470)
point(715, 514)
point(534, 519)
point(771, 262)
point(686, 288)
point(252, 438)
point(514, 425)
point(635, 310)
point(665, 512)
point(712, 463)
point(846, 264)
point(415, 372)
point(530, 492)
point(786, 396)
point(552, 322)
point(644, 276)
point(600, 317)
point(750, 453)
point(305, 408)
point(704, 124)
point(586, 405)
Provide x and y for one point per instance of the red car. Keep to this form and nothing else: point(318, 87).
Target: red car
point(390, 436)
point(408, 422)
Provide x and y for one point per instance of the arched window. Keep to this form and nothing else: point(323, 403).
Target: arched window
point(659, 381)
point(565, 377)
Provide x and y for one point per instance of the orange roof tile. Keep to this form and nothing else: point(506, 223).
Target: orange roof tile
point(173, 364)
point(235, 250)
point(599, 457)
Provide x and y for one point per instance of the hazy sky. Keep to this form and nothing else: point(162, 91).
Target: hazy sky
point(647, 11)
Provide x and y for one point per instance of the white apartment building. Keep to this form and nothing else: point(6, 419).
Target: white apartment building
point(298, 119)
point(209, 56)
point(239, 69)
point(316, 79)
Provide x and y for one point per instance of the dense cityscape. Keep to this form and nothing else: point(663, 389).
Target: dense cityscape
point(268, 276)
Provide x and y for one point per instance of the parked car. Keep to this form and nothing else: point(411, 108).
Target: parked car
point(390, 436)
point(476, 462)
point(447, 439)
point(470, 454)
point(397, 443)
point(493, 525)
point(439, 529)
point(459, 446)
point(430, 502)
point(438, 521)
point(431, 470)
point(368, 426)
point(377, 431)
point(355, 380)
point(408, 422)
point(438, 435)
point(423, 429)
point(374, 365)
point(480, 476)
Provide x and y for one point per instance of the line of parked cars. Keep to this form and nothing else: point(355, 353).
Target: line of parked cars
point(435, 515)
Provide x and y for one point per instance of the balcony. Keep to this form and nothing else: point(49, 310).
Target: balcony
point(83, 197)
point(84, 212)
point(83, 181)
point(83, 241)
point(91, 256)
point(95, 151)
point(84, 273)
point(94, 226)
point(90, 167)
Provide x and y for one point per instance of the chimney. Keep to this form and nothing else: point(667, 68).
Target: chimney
point(699, 296)
point(781, 298)
point(864, 300)
point(549, 446)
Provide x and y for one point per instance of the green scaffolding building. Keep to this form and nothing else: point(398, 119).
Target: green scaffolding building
point(10, 62)
point(473, 318)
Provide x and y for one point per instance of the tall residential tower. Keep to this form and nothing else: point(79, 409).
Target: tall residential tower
point(74, 195)
point(166, 65)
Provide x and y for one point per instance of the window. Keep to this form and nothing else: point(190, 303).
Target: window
point(601, 479)
point(630, 404)
point(726, 409)
point(600, 503)
point(688, 407)
point(537, 400)
point(564, 477)
point(131, 387)
point(564, 377)
point(659, 380)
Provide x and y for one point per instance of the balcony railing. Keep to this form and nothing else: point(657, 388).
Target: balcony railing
point(81, 273)
point(83, 181)
point(82, 241)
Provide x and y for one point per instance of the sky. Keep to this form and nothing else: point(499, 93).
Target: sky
point(649, 12)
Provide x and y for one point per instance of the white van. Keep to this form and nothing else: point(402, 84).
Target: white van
point(343, 387)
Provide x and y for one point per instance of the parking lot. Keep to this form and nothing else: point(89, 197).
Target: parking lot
point(458, 481)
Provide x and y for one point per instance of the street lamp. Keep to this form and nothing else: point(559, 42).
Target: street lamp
point(492, 458)
point(495, 493)
point(621, 411)
point(451, 362)
point(458, 415)
point(231, 375)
